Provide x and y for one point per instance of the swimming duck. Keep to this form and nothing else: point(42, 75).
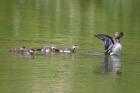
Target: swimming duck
point(17, 50)
point(112, 45)
point(48, 49)
point(23, 51)
point(68, 50)
point(28, 52)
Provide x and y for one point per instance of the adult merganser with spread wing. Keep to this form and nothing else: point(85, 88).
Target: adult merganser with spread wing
point(112, 45)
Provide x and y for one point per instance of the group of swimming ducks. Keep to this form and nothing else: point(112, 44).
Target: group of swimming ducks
point(46, 50)
point(112, 46)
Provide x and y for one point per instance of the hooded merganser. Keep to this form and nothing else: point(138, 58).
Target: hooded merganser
point(112, 45)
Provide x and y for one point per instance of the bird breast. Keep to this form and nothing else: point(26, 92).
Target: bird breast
point(116, 49)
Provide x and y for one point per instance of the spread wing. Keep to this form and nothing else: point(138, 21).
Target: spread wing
point(108, 41)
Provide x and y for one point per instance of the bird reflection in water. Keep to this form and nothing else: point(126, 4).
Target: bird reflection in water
point(112, 63)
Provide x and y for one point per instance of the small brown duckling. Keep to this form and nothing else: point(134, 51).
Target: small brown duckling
point(68, 50)
point(23, 51)
point(48, 49)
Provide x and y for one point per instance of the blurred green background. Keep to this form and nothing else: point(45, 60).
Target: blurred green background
point(39, 23)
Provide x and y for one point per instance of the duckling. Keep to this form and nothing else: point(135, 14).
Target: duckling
point(23, 51)
point(48, 49)
point(28, 52)
point(68, 50)
point(17, 50)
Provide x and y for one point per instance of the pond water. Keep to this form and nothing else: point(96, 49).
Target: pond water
point(39, 23)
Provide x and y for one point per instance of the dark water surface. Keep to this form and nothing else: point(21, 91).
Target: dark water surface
point(39, 23)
